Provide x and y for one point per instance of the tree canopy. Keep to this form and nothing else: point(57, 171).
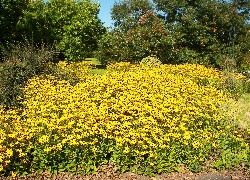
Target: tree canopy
point(70, 26)
point(209, 32)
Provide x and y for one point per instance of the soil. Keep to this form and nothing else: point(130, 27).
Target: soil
point(108, 172)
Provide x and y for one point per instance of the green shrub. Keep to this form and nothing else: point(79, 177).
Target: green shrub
point(236, 83)
point(150, 37)
point(20, 63)
point(150, 61)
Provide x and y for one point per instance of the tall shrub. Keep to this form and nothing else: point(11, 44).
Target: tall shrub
point(21, 63)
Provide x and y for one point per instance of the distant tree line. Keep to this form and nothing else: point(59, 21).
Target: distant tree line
point(209, 32)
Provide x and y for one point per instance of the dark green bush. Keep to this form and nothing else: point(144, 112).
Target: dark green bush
point(148, 37)
point(21, 62)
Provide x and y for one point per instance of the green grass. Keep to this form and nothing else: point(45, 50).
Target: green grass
point(100, 69)
point(94, 60)
point(239, 110)
point(243, 115)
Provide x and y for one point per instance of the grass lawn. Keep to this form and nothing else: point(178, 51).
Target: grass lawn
point(94, 60)
point(243, 111)
point(100, 69)
point(239, 111)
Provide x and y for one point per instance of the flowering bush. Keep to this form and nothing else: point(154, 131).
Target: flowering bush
point(150, 61)
point(79, 70)
point(146, 120)
point(72, 72)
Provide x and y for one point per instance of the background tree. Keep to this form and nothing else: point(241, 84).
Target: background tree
point(81, 32)
point(127, 13)
point(70, 26)
point(10, 12)
point(34, 24)
point(212, 30)
point(138, 33)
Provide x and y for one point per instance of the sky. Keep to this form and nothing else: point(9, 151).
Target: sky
point(104, 14)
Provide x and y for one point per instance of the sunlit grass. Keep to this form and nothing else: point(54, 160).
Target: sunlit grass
point(99, 69)
point(239, 111)
point(243, 115)
point(94, 60)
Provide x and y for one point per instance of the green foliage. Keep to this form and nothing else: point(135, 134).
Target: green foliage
point(231, 160)
point(73, 72)
point(212, 29)
point(10, 12)
point(149, 36)
point(127, 13)
point(212, 32)
point(150, 61)
point(104, 53)
point(236, 84)
point(70, 26)
point(233, 155)
point(35, 25)
point(82, 32)
point(139, 33)
point(22, 62)
point(111, 48)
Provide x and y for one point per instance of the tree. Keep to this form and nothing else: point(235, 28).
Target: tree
point(71, 26)
point(138, 33)
point(34, 24)
point(81, 32)
point(10, 12)
point(127, 13)
point(211, 29)
point(209, 32)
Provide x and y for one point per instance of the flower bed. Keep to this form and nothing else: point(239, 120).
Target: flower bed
point(145, 120)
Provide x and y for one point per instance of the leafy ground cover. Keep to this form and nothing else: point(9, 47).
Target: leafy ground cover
point(142, 119)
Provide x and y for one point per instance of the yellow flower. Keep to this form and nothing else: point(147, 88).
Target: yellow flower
point(94, 149)
point(187, 135)
point(13, 174)
point(43, 139)
point(48, 149)
point(196, 144)
point(9, 153)
point(147, 108)
point(126, 150)
point(59, 146)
